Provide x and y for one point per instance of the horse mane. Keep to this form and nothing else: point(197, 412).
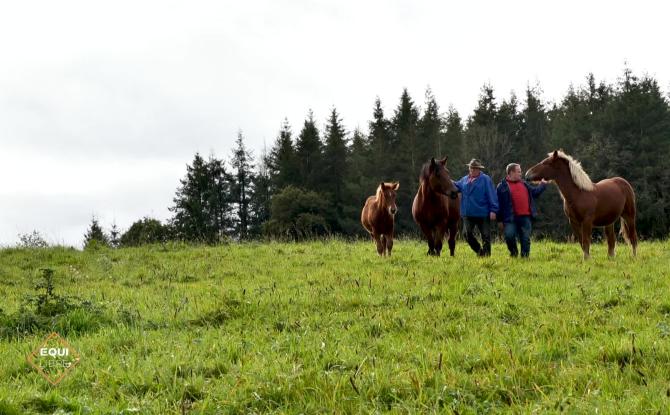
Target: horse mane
point(425, 172)
point(379, 195)
point(579, 176)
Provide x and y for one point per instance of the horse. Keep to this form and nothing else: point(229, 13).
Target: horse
point(378, 215)
point(588, 204)
point(436, 208)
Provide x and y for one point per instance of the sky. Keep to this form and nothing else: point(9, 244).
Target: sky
point(103, 104)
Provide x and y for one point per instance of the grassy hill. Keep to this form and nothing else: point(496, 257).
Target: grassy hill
point(331, 327)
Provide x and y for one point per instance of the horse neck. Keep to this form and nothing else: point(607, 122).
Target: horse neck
point(425, 189)
point(567, 186)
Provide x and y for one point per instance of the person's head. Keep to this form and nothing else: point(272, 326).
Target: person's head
point(475, 167)
point(513, 172)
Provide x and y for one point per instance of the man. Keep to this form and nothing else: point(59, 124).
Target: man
point(479, 204)
point(517, 208)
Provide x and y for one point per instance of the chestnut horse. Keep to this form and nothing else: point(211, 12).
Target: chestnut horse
point(588, 204)
point(378, 215)
point(436, 208)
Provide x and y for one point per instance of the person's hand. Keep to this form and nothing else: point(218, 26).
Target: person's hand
point(543, 181)
point(493, 216)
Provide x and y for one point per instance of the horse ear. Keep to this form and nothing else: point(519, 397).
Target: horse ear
point(382, 185)
point(555, 155)
point(396, 185)
point(432, 163)
point(444, 161)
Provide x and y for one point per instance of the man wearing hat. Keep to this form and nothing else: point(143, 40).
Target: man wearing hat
point(479, 204)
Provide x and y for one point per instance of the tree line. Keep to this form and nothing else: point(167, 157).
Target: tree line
point(314, 182)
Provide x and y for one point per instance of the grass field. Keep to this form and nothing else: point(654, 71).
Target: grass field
point(331, 327)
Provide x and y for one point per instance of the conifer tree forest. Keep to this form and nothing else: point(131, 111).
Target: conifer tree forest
point(316, 176)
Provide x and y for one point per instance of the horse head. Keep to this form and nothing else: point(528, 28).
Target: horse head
point(547, 169)
point(438, 178)
point(386, 194)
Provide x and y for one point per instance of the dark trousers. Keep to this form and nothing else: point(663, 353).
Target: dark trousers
point(519, 228)
point(484, 226)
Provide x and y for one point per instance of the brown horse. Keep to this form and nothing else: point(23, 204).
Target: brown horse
point(378, 215)
point(436, 208)
point(588, 204)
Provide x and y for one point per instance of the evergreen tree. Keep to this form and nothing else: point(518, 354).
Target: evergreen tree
point(242, 176)
point(261, 195)
point(430, 130)
point(361, 182)
point(454, 138)
point(335, 167)
point(202, 203)
point(282, 162)
point(309, 151)
point(95, 236)
point(483, 138)
point(380, 143)
point(114, 236)
point(405, 159)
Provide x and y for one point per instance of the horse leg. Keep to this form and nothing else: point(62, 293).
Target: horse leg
point(428, 233)
point(389, 244)
point(587, 230)
point(628, 230)
point(378, 241)
point(577, 230)
point(611, 239)
point(439, 238)
point(453, 229)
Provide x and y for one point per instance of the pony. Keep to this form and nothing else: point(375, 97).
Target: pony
point(378, 216)
point(436, 207)
point(588, 204)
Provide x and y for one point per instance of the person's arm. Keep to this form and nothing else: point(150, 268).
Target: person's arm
point(459, 184)
point(493, 198)
point(536, 191)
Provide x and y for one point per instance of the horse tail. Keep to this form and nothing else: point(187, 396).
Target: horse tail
point(628, 228)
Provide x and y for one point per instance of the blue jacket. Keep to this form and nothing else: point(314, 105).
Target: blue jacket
point(506, 212)
point(479, 198)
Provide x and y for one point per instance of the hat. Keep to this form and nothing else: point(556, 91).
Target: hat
point(475, 164)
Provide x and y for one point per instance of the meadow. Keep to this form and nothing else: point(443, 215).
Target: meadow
point(330, 327)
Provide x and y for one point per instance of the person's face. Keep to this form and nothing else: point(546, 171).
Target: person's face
point(474, 172)
point(515, 175)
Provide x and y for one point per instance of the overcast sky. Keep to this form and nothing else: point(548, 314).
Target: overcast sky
point(102, 104)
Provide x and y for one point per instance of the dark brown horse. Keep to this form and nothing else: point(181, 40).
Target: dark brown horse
point(588, 204)
point(436, 208)
point(378, 215)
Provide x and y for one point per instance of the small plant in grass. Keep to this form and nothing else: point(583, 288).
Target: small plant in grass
point(46, 310)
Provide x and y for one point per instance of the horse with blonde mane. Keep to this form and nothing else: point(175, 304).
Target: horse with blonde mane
point(378, 216)
point(588, 204)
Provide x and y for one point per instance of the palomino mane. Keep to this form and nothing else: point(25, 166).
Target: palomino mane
point(380, 195)
point(579, 176)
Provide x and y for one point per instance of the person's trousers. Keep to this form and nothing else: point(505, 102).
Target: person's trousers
point(520, 229)
point(484, 225)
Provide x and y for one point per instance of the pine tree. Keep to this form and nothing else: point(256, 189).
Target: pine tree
point(282, 161)
point(534, 134)
point(114, 236)
point(380, 143)
point(335, 167)
point(202, 202)
point(405, 158)
point(242, 177)
point(95, 236)
point(309, 151)
point(430, 130)
point(261, 195)
point(454, 140)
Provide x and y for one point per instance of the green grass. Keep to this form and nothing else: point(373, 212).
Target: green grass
point(331, 327)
